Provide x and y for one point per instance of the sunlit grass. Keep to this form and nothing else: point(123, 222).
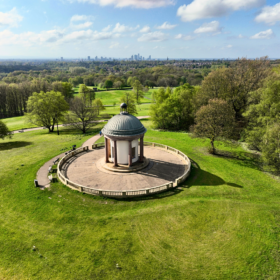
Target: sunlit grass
point(222, 223)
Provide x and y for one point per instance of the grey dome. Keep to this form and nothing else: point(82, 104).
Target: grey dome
point(123, 125)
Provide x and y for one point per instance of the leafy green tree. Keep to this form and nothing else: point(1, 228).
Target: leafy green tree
point(173, 110)
point(4, 131)
point(108, 84)
point(138, 90)
point(215, 120)
point(87, 94)
point(46, 108)
point(118, 84)
point(131, 80)
point(234, 84)
point(263, 112)
point(270, 146)
point(81, 117)
point(97, 103)
point(130, 101)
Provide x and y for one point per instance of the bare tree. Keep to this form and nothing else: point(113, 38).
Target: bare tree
point(80, 116)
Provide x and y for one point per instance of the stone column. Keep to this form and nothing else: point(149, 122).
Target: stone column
point(130, 153)
point(106, 150)
point(115, 154)
point(141, 149)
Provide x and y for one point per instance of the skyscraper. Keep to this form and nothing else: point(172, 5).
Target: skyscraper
point(88, 57)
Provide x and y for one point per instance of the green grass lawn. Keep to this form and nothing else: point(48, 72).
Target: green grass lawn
point(17, 123)
point(222, 223)
point(109, 97)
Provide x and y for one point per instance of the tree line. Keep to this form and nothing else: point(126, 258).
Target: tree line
point(241, 102)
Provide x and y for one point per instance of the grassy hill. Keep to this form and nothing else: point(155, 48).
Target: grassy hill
point(222, 223)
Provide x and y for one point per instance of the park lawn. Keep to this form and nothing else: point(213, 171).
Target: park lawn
point(100, 140)
point(142, 110)
point(113, 96)
point(17, 123)
point(222, 223)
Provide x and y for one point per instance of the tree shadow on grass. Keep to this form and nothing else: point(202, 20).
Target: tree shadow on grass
point(245, 159)
point(199, 177)
point(14, 145)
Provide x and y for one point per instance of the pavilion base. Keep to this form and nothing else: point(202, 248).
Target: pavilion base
point(137, 166)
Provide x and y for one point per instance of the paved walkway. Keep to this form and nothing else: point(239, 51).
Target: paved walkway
point(86, 169)
point(42, 174)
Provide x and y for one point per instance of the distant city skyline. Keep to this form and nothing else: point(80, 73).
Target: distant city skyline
point(121, 28)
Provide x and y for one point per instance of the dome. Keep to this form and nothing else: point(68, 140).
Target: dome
point(123, 125)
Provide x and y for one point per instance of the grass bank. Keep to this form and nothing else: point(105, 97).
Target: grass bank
point(223, 223)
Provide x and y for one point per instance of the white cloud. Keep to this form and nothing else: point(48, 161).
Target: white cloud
point(119, 28)
point(211, 27)
point(114, 45)
point(52, 37)
point(79, 18)
point(156, 36)
point(184, 37)
point(200, 9)
point(11, 18)
point(269, 14)
point(166, 26)
point(84, 25)
point(106, 29)
point(268, 34)
point(145, 29)
point(179, 36)
point(229, 46)
point(144, 4)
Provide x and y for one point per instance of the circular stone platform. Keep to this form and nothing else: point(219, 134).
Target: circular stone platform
point(86, 169)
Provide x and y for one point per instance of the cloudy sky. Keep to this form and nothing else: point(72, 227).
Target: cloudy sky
point(120, 28)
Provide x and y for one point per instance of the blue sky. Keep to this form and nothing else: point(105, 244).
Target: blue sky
point(120, 28)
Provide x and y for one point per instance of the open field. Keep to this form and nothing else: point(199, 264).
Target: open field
point(223, 223)
point(109, 97)
point(16, 123)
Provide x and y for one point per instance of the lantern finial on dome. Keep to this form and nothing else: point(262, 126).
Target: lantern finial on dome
point(123, 109)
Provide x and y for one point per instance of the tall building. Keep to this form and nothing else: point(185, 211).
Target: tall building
point(61, 58)
point(88, 57)
point(150, 57)
point(96, 58)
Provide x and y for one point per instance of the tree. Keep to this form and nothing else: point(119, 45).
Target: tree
point(46, 108)
point(214, 120)
point(4, 131)
point(97, 103)
point(263, 111)
point(138, 90)
point(173, 110)
point(80, 116)
point(65, 88)
point(108, 84)
point(130, 101)
point(233, 84)
point(87, 94)
point(118, 84)
point(270, 146)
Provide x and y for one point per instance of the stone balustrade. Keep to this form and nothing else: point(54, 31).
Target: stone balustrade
point(127, 193)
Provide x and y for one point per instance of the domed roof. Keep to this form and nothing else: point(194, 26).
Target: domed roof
point(123, 125)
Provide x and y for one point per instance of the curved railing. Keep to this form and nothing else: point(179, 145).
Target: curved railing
point(126, 193)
